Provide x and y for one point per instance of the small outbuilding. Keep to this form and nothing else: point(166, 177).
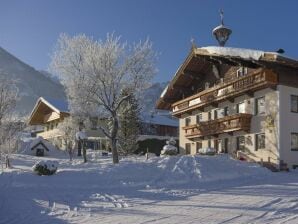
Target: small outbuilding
point(40, 149)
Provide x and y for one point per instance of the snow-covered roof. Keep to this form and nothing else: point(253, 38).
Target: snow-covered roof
point(199, 59)
point(159, 119)
point(60, 104)
point(235, 52)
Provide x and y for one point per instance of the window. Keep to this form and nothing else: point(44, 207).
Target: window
point(215, 113)
point(209, 116)
point(209, 143)
point(187, 148)
point(294, 104)
point(241, 108)
point(240, 143)
point(294, 141)
point(198, 146)
point(222, 112)
point(187, 121)
point(241, 71)
point(226, 111)
point(260, 141)
point(199, 118)
point(260, 105)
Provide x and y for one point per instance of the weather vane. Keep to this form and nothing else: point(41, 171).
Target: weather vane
point(221, 13)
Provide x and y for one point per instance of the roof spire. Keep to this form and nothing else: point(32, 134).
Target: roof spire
point(221, 32)
point(221, 16)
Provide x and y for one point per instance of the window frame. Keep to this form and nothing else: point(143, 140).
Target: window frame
point(257, 106)
point(291, 97)
point(294, 149)
point(199, 118)
point(257, 141)
point(187, 121)
point(237, 107)
point(238, 146)
point(242, 71)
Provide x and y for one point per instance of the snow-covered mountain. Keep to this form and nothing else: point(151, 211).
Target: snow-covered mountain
point(31, 83)
point(150, 96)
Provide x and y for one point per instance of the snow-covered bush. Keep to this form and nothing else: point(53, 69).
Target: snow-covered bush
point(170, 149)
point(45, 167)
point(207, 151)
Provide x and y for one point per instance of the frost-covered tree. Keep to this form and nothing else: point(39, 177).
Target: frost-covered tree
point(129, 120)
point(68, 127)
point(9, 126)
point(95, 73)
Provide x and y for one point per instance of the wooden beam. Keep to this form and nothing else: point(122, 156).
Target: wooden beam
point(192, 74)
point(230, 99)
point(245, 63)
point(221, 60)
point(214, 104)
point(250, 93)
point(273, 87)
point(183, 88)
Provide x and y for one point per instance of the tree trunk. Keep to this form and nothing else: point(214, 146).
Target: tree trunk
point(114, 139)
point(84, 152)
point(115, 151)
point(79, 148)
point(7, 162)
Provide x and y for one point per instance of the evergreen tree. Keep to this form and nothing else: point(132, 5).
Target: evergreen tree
point(129, 120)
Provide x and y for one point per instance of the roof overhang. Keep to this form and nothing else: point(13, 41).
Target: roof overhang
point(199, 59)
point(42, 108)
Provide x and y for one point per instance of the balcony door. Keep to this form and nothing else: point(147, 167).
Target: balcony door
point(241, 108)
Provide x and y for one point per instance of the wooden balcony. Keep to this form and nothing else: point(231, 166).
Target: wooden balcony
point(237, 122)
point(227, 90)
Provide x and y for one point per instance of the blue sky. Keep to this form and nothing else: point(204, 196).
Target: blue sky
point(29, 29)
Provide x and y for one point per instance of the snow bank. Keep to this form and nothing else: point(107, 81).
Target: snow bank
point(207, 151)
point(235, 52)
point(173, 170)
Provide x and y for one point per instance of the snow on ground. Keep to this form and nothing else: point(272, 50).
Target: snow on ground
point(178, 189)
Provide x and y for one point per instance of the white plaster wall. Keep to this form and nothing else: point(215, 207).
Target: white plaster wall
point(288, 124)
point(258, 125)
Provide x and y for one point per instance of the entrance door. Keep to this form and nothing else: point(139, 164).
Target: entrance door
point(226, 145)
point(187, 148)
point(198, 146)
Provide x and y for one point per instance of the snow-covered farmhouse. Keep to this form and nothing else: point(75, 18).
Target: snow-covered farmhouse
point(48, 113)
point(238, 101)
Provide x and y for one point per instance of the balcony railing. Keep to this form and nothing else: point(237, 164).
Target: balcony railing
point(226, 124)
point(226, 90)
point(54, 133)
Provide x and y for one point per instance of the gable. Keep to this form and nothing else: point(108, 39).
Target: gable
point(44, 112)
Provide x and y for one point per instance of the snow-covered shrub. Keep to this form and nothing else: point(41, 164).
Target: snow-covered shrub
point(169, 150)
point(207, 151)
point(45, 167)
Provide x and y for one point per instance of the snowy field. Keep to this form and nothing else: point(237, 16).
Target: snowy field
point(179, 189)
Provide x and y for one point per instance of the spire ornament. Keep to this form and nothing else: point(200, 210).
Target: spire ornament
point(221, 32)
